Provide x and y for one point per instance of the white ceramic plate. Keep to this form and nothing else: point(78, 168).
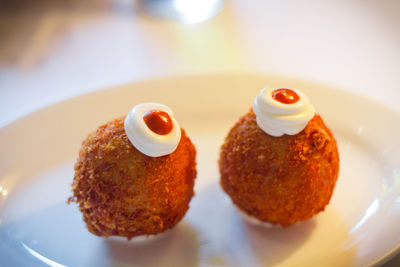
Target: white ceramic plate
point(359, 227)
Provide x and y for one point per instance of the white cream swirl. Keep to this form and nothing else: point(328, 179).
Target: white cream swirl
point(276, 118)
point(144, 139)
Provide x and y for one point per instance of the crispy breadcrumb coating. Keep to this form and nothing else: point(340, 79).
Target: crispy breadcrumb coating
point(122, 192)
point(280, 180)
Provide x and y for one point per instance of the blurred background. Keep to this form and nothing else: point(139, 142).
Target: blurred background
point(51, 50)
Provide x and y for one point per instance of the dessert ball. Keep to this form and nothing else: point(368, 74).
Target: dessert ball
point(280, 162)
point(135, 175)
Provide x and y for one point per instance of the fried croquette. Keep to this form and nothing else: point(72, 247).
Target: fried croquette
point(280, 180)
point(122, 192)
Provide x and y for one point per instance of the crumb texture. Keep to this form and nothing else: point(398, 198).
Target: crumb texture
point(122, 192)
point(280, 180)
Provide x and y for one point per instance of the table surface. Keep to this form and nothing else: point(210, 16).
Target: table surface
point(54, 50)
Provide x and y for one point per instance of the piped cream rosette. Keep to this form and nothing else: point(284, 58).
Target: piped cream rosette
point(144, 139)
point(276, 118)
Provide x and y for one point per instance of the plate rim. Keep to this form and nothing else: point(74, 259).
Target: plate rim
point(338, 88)
point(387, 109)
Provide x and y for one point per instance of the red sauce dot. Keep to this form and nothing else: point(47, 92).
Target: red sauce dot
point(285, 96)
point(158, 121)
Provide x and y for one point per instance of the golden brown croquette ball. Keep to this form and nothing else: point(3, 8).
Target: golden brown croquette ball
point(122, 192)
point(280, 180)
